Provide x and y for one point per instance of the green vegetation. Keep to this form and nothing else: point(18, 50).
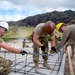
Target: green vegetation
point(25, 32)
point(8, 39)
point(18, 32)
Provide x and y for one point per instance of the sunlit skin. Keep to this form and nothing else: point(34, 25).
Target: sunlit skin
point(35, 38)
point(2, 31)
point(4, 45)
point(63, 28)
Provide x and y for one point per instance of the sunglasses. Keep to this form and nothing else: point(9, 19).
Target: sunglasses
point(5, 29)
point(60, 29)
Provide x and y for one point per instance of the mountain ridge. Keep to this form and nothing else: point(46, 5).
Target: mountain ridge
point(67, 16)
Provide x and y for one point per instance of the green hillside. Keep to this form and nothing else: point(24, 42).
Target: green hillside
point(18, 32)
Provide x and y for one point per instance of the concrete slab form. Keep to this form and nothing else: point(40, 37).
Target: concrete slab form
point(24, 65)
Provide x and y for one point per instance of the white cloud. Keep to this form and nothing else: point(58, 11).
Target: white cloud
point(12, 18)
point(1, 18)
point(19, 9)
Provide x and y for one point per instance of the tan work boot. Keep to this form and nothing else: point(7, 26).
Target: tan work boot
point(45, 64)
point(37, 69)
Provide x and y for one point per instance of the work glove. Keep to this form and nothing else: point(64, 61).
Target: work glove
point(43, 48)
point(53, 50)
point(23, 52)
point(59, 38)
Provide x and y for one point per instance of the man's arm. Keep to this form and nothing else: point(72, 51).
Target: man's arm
point(9, 48)
point(53, 49)
point(64, 38)
point(53, 41)
point(35, 39)
point(12, 49)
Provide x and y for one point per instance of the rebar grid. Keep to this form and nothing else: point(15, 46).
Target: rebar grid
point(24, 64)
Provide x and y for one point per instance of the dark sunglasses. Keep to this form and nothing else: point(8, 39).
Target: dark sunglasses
point(5, 29)
point(60, 29)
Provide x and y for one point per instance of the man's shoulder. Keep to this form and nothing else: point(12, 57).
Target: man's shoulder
point(41, 24)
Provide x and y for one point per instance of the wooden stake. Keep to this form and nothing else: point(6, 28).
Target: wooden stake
point(70, 62)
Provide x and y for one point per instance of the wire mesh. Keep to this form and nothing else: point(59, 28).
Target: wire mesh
point(24, 64)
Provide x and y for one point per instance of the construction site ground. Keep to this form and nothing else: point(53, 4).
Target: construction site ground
point(66, 72)
point(24, 65)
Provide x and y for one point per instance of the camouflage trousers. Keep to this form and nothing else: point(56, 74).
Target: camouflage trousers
point(44, 41)
point(5, 66)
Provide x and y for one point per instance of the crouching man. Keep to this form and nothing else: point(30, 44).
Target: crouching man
point(5, 64)
point(40, 40)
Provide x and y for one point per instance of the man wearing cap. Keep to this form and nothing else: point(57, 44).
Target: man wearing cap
point(5, 64)
point(68, 35)
point(40, 40)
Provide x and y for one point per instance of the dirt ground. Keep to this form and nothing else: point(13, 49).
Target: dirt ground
point(73, 60)
point(66, 72)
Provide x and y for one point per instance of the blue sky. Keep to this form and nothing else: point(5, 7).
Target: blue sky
point(14, 10)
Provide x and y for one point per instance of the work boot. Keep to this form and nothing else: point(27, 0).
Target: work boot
point(37, 69)
point(45, 64)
